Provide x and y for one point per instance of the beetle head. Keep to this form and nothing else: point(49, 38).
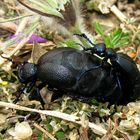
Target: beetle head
point(27, 72)
point(99, 49)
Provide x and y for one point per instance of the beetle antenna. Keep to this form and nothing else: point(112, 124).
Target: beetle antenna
point(9, 59)
point(85, 37)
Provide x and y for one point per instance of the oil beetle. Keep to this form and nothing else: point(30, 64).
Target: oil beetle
point(83, 75)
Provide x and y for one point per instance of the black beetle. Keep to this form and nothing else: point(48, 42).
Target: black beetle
point(84, 75)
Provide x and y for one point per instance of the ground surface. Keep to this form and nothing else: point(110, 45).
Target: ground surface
point(118, 26)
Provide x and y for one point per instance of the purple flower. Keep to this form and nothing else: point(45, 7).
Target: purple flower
point(33, 38)
point(36, 38)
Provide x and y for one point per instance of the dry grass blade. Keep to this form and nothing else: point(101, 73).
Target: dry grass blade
point(118, 13)
point(57, 114)
point(124, 135)
point(54, 13)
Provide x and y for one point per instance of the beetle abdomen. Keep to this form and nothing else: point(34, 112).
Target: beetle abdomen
point(56, 75)
point(126, 65)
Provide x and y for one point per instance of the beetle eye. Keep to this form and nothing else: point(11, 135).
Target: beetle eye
point(20, 73)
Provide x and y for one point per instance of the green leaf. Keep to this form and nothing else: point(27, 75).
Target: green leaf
point(94, 101)
point(60, 135)
point(65, 127)
point(1, 137)
point(117, 39)
point(49, 127)
point(108, 42)
point(39, 134)
point(99, 29)
point(138, 128)
point(71, 43)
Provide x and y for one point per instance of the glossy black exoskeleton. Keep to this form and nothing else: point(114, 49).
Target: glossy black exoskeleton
point(84, 75)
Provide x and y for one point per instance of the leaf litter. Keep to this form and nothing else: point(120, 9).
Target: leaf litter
point(123, 34)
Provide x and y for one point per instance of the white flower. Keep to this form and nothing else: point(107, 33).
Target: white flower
point(22, 131)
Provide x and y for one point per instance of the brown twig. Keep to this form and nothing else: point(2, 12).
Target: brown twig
point(44, 131)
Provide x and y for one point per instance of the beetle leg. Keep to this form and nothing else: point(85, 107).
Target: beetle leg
point(57, 94)
point(118, 82)
point(81, 46)
point(80, 98)
point(39, 97)
point(35, 95)
point(29, 87)
point(18, 95)
point(85, 49)
point(41, 85)
point(50, 88)
point(118, 79)
point(25, 89)
point(116, 74)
